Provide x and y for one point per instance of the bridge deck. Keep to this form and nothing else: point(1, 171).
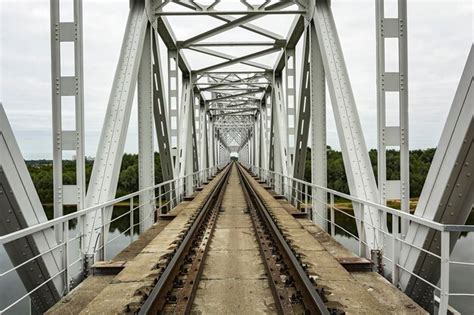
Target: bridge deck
point(234, 279)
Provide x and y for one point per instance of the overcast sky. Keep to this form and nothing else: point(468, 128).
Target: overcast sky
point(440, 36)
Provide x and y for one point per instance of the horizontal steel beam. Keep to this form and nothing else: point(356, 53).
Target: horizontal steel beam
point(240, 59)
point(247, 13)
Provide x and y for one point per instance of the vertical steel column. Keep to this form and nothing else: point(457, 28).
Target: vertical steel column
point(318, 128)
point(105, 173)
point(146, 163)
point(291, 104)
point(280, 155)
point(212, 142)
point(203, 135)
point(173, 109)
point(395, 82)
point(304, 112)
point(357, 164)
point(161, 124)
point(67, 86)
point(187, 140)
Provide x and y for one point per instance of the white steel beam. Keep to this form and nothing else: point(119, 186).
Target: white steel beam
point(105, 173)
point(357, 164)
point(187, 139)
point(318, 130)
point(291, 102)
point(232, 23)
point(21, 208)
point(159, 113)
point(393, 82)
point(279, 127)
point(146, 158)
point(67, 87)
point(304, 114)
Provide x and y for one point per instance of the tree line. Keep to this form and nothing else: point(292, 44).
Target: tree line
point(42, 172)
point(420, 161)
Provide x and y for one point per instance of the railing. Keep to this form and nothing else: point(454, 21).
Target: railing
point(302, 194)
point(73, 255)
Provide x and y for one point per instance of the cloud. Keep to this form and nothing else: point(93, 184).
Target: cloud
point(440, 36)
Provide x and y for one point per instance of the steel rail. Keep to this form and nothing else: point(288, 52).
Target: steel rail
point(154, 302)
point(311, 298)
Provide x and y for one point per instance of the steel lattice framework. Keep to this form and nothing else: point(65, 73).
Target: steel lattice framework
point(240, 85)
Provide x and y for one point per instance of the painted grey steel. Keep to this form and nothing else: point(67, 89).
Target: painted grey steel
point(233, 23)
point(105, 172)
point(448, 194)
point(21, 208)
point(72, 87)
point(160, 119)
point(304, 114)
point(291, 104)
point(357, 164)
point(318, 130)
point(146, 156)
point(187, 139)
point(395, 83)
point(159, 112)
point(280, 155)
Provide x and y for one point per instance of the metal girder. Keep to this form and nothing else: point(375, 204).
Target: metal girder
point(233, 23)
point(159, 113)
point(221, 13)
point(318, 129)
point(66, 138)
point(20, 208)
point(240, 59)
point(232, 44)
point(291, 103)
point(395, 83)
point(228, 57)
point(233, 96)
point(204, 136)
point(106, 169)
point(296, 30)
point(161, 122)
point(279, 128)
point(304, 114)
point(357, 164)
point(447, 196)
point(146, 156)
point(187, 152)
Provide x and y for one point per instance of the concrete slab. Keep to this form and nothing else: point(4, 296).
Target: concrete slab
point(233, 297)
point(75, 301)
point(233, 264)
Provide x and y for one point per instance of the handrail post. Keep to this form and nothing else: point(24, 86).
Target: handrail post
point(65, 255)
point(362, 252)
point(444, 273)
point(395, 251)
point(306, 200)
point(131, 220)
point(102, 238)
point(333, 219)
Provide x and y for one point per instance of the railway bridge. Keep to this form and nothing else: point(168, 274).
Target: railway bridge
point(234, 227)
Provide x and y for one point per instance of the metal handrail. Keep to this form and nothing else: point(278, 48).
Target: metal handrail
point(404, 215)
point(47, 224)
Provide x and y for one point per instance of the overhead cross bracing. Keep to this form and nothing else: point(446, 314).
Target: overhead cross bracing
point(231, 57)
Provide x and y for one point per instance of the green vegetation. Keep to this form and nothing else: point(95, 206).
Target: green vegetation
point(42, 172)
point(420, 161)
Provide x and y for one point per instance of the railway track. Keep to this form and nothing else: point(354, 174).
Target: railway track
point(285, 279)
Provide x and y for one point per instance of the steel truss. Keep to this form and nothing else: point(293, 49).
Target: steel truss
point(243, 104)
